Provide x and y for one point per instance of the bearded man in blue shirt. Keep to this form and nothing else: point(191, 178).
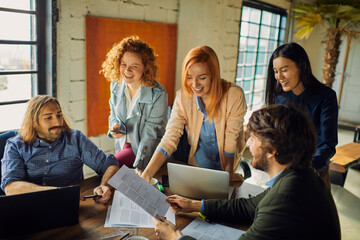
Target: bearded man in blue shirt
point(47, 153)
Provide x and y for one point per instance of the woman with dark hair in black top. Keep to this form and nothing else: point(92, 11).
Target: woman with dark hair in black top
point(290, 80)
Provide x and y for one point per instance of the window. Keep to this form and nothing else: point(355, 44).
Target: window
point(26, 59)
point(262, 30)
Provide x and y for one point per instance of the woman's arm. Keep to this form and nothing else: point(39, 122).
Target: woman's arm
point(170, 140)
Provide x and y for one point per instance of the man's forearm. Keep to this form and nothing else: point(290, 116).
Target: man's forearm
point(110, 171)
point(18, 187)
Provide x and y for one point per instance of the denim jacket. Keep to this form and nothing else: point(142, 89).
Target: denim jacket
point(145, 123)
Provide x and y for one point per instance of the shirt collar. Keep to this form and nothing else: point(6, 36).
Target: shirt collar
point(270, 183)
point(41, 143)
point(144, 93)
point(200, 105)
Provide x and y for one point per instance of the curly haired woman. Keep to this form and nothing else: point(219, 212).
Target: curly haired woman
point(138, 103)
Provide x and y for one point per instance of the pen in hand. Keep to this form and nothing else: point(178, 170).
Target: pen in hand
point(93, 196)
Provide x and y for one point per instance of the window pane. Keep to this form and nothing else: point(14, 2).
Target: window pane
point(282, 35)
point(18, 4)
point(18, 87)
point(14, 115)
point(265, 32)
point(254, 30)
point(243, 43)
point(247, 85)
point(274, 32)
point(266, 18)
point(247, 99)
point(241, 58)
point(258, 98)
point(260, 71)
point(259, 84)
point(248, 72)
point(250, 58)
point(255, 15)
point(244, 29)
point(272, 46)
point(17, 26)
point(283, 22)
point(252, 45)
point(239, 72)
point(263, 45)
point(275, 20)
point(17, 57)
point(245, 15)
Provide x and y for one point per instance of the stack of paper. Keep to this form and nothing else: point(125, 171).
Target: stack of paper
point(199, 229)
point(126, 213)
point(135, 202)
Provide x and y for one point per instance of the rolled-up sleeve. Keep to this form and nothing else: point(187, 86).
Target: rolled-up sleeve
point(94, 157)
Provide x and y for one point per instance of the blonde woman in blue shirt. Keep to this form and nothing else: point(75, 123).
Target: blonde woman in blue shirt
point(138, 103)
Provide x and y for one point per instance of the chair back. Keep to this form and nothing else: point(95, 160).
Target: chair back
point(3, 138)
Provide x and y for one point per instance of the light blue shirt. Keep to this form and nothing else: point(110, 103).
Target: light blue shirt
point(52, 164)
point(270, 183)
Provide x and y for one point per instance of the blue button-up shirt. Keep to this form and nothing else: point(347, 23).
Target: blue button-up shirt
point(207, 153)
point(52, 164)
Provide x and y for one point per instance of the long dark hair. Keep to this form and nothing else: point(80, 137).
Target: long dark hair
point(297, 54)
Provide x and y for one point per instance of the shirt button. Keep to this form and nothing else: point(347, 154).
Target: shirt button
point(114, 91)
point(47, 161)
point(137, 113)
point(49, 146)
point(45, 173)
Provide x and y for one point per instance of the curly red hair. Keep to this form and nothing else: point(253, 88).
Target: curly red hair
point(111, 65)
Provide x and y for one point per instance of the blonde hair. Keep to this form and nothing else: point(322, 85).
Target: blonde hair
point(28, 131)
point(218, 87)
point(111, 65)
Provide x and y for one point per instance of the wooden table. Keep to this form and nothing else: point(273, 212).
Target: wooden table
point(92, 218)
point(346, 156)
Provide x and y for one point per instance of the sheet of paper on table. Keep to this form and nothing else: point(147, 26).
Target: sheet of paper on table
point(201, 229)
point(125, 213)
point(247, 190)
point(139, 191)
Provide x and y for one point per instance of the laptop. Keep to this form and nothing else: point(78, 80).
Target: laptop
point(198, 183)
point(37, 211)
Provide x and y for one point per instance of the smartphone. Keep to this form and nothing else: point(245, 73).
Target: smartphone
point(165, 181)
point(121, 131)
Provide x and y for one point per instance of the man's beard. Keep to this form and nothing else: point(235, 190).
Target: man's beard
point(261, 162)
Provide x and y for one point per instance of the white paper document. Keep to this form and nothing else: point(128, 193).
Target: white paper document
point(140, 192)
point(125, 213)
point(202, 230)
point(247, 190)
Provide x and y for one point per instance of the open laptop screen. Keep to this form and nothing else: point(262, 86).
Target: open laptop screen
point(37, 211)
point(198, 183)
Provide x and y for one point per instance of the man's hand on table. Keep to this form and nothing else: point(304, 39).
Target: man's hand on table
point(165, 230)
point(182, 204)
point(104, 191)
